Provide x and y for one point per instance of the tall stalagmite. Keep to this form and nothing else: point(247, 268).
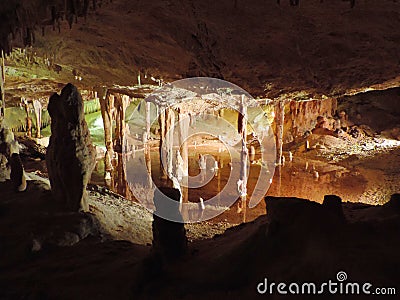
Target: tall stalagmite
point(71, 155)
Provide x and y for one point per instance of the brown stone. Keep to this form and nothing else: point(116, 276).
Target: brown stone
point(394, 203)
point(333, 203)
point(169, 237)
point(303, 219)
point(70, 157)
point(17, 175)
point(9, 150)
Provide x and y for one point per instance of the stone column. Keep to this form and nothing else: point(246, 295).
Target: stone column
point(125, 101)
point(2, 91)
point(162, 149)
point(118, 139)
point(169, 141)
point(279, 121)
point(242, 127)
point(148, 120)
point(37, 108)
point(106, 105)
point(28, 128)
point(184, 122)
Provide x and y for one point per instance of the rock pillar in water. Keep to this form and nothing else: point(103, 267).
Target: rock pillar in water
point(162, 149)
point(70, 156)
point(184, 122)
point(148, 122)
point(121, 103)
point(107, 105)
point(280, 120)
point(169, 139)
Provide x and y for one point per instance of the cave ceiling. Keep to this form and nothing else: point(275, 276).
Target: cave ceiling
point(273, 51)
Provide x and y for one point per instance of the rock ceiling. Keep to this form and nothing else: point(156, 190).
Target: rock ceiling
point(314, 50)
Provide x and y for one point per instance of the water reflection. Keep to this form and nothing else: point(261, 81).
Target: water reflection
point(294, 179)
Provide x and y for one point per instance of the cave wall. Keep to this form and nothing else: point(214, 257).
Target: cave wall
point(301, 116)
point(380, 110)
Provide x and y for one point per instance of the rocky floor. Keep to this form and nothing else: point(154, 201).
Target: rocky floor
point(48, 254)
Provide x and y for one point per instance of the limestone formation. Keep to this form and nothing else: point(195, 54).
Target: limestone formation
point(70, 157)
point(37, 108)
point(169, 237)
point(305, 218)
point(9, 153)
point(334, 204)
point(323, 127)
point(17, 175)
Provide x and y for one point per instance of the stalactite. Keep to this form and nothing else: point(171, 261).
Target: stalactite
point(25, 15)
point(302, 116)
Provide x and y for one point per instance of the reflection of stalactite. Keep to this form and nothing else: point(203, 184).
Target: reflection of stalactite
point(120, 180)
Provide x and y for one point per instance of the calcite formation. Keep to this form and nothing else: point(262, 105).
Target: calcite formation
point(71, 156)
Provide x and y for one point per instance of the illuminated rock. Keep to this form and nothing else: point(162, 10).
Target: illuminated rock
point(70, 157)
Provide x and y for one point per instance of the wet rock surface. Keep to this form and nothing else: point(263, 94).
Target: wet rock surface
point(71, 155)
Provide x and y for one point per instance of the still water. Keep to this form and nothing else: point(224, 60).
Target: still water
point(295, 179)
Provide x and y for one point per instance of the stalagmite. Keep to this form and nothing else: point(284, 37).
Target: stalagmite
point(37, 108)
point(28, 128)
point(70, 156)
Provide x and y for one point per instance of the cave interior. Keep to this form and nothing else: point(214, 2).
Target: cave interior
point(191, 150)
